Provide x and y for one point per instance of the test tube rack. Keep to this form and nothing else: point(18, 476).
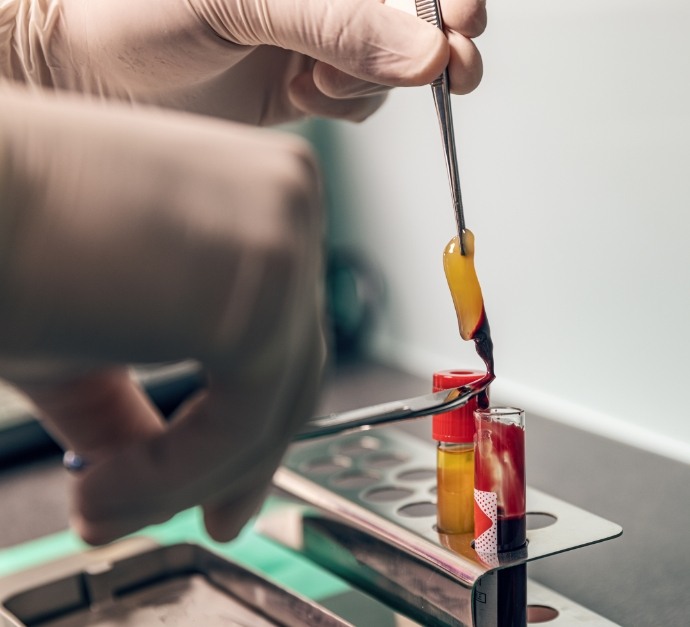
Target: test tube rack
point(366, 509)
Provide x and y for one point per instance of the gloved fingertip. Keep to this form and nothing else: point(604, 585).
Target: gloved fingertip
point(412, 58)
point(465, 68)
point(224, 518)
point(384, 45)
point(305, 96)
point(94, 535)
point(337, 84)
point(222, 528)
point(432, 60)
point(98, 533)
point(223, 534)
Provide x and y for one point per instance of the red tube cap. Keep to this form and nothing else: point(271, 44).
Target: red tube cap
point(456, 425)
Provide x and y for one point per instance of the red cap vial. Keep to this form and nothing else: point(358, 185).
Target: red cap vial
point(456, 425)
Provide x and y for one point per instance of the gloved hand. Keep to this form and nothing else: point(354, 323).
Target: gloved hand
point(254, 61)
point(130, 236)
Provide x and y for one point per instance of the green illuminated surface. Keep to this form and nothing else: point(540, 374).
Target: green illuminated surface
point(249, 549)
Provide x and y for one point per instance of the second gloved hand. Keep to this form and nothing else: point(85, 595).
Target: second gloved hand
point(255, 61)
point(130, 236)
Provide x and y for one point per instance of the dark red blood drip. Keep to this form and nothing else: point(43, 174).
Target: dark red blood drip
point(483, 342)
point(512, 530)
point(481, 387)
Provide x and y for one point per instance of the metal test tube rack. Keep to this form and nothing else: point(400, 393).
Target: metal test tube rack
point(366, 509)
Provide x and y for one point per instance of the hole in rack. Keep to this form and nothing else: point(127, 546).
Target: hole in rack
point(359, 445)
point(326, 464)
point(418, 474)
point(387, 494)
point(539, 520)
point(383, 460)
point(541, 614)
point(418, 510)
point(354, 479)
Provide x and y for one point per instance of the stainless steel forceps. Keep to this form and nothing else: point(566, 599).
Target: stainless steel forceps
point(363, 418)
point(394, 411)
point(430, 11)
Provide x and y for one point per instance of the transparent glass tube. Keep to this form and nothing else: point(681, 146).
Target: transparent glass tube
point(499, 512)
point(499, 478)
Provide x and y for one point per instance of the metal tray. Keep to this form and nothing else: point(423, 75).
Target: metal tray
point(139, 584)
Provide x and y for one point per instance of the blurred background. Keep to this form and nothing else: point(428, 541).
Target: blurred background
point(574, 156)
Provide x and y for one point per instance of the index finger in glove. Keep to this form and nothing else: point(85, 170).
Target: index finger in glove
point(363, 38)
point(153, 479)
point(462, 19)
point(96, 412)
point(306, 96)
point(220, 450)
point(466, 17)
point(465, 71)
point(226, 512)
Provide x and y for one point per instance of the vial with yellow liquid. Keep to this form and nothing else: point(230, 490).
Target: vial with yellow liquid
point(454, 432)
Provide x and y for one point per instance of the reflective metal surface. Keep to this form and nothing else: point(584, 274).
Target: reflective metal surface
point(138, 583)
point(430, 11)
point(394, 411)
point(544, 602)
point(374, 524)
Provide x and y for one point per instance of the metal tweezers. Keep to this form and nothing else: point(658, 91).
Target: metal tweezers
point(430, 11)
point(364, 418)
point(394, 411)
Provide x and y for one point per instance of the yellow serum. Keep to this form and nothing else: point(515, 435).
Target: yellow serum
point(455, 487)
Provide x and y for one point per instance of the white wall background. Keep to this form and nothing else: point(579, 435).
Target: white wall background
point(575, 162)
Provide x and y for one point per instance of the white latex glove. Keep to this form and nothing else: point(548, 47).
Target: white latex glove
point(255, 61)
point(133, 236)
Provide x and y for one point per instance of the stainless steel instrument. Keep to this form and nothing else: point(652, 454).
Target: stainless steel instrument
point(363, 418)
point(394, 411)
point(430, 11)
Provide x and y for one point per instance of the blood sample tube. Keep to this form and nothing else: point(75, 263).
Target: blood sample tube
point(454, 432)
point(499, 505)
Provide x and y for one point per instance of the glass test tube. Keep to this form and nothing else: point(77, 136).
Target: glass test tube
point(499, 506)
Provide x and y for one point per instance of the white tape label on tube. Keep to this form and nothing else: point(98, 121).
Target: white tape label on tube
point(485, 526)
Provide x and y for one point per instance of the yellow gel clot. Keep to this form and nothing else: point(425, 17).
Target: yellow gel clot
point(464, 285)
